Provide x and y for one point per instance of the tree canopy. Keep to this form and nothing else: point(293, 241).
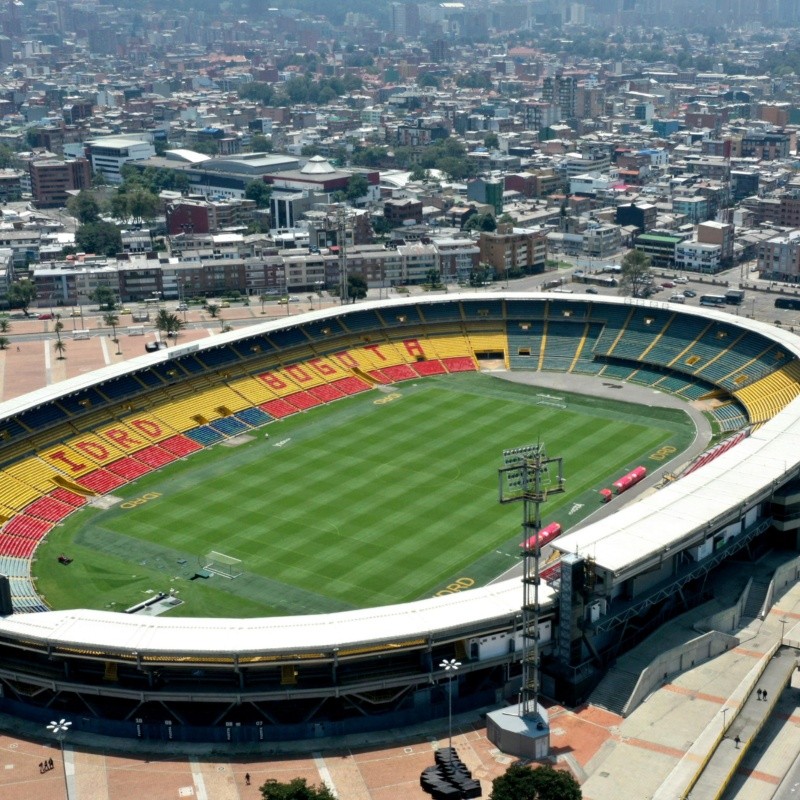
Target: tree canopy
point(21, 294)
point(481, 222)
point(134, 203)
point(102, 238)
point(522, 782)
point(84, 207)
point(169, 323)
point(635, 276)
point(356, 288)
point(258, 191)
point(104, 297)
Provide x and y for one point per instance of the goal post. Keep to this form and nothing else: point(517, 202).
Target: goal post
point(220, 564)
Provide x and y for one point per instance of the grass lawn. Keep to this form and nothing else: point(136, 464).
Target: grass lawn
point(353, 504)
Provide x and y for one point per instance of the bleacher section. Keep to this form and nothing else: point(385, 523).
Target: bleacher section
point(770, 395)
point(562, 339)
point(730, 417)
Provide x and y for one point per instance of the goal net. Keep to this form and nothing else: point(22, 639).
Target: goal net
point(220, 564)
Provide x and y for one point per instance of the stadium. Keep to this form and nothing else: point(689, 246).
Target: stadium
point(71, 446)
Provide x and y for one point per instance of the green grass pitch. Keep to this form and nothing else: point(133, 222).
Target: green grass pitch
point(349, 505)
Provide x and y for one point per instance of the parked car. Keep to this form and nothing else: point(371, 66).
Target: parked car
point(46, 315)
point(689, 293)
point(668, 285)
point(592, 290)
point(681, 279)
point(677, 298)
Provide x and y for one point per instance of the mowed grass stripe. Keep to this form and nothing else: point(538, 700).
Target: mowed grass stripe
point(367, 504)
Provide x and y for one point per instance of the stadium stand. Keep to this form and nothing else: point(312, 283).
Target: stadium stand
point(134, 419)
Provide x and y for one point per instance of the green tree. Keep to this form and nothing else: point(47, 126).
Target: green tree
point(84, 207)
point(381, 226)
point(105, 298)
point(296, 789)
point(213, 310)
point(491, 141)
point(4, 342)
point(474, 80)
point(457, 168)
point(356, 288)
point(357, 187)
point(168, 323)
point(112, 320)
point(258, 191)
point(433, 278)
point(142, 205)
point(99, 237)
point(371, 156)
point(480, 275)
point(258, 92)
point(522, 782)
point(206, 147)
point(7, 157)
point(59, 345)
point(428, 80)
point(635, 276)
point(118, 206)
point(5, 324)
point(21, 294)
point(260, 143)
point(481, 222)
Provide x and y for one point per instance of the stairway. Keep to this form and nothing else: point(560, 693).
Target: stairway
point(614, 691)
point(755, 599)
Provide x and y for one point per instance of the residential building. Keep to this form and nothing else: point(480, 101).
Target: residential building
point(765, 146)
point(537, 183)
point(561, 90)
point(660, 247)
point(601, 241)
point(695, 208)
point(401, 211)
point(779, 258)
point(10, 185)
point(418, 260)
point(458, 258)
point(698, 257)
point(6, 270)
point(510, 250)
point(721, 234)
point(189, 215)
point(51, 181)
point(789, 209)
point(487, 192)
point(642, 216)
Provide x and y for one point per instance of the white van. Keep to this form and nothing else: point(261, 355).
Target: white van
point(677, 298)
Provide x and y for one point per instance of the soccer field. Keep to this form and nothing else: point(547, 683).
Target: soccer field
point(380, 498)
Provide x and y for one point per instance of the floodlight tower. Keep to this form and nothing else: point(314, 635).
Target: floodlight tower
point(529, 476)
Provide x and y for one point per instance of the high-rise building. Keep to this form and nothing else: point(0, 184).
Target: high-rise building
point(405, 20)
point(561, 90)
